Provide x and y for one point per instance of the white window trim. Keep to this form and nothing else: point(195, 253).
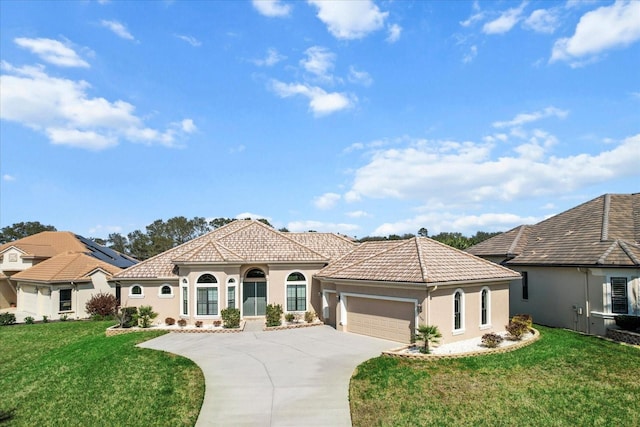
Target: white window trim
point(195, 297)
point(232, 284)
point(296, 283)
point(136, 296)
point(165, 296)
point(182, 298)
point(462, 310)
point(488, 324)
point(632, 308)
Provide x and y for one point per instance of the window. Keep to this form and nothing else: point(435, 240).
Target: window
point(166, 291)
point(296, 292)
point(207, 302)
point(185, 301)
point(65, 299)
point(485, 315)
point(525, 285)
point(619, 301)
point(206, 296)
point(231, 296)
point(458, 311)
point(136, 291)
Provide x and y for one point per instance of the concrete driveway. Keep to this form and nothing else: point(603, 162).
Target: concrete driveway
point(295, 377)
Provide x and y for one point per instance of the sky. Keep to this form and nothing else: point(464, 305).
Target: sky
point(358, 117)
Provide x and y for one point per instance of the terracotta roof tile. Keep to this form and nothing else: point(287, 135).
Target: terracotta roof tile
point(66, 267)
point(47, 244)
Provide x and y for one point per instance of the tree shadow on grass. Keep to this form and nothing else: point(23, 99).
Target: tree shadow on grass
point(6, 416)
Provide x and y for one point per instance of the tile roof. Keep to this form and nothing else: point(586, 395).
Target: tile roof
point(65, 267)
point(604, 231)
point(507, 244)
point(46, 244)
point(417, 260)
point(242, 241)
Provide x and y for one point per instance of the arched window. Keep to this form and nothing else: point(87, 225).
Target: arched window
point(207, 296)
point(458, 311)
point(165, 291)
point(136, 291)
point(296, 292)
point(231, 293)
point(255, 274)
point(485, 307)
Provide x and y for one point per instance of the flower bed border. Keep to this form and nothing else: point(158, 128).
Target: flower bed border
point(622, 336)
point(116, 330)
point(396, 351)
point(292, 326)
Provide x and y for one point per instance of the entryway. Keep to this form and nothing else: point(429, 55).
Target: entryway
point(254, 298)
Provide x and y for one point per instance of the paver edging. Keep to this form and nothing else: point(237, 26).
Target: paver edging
point(116, 330)
point(294, 326)
point(396, 351)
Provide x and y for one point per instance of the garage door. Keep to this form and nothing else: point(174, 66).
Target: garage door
point(29, 299)
point(391, 320)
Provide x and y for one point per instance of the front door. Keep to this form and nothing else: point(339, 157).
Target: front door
point(254, 298)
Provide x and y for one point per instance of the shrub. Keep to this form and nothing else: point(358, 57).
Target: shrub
point(29, 320)
point(127, 316)
point(231, 318)
point(289, 317)
point(102, 304)
point(523, 318)
point(7, 319)
point(170, 321)
point(428, 334)
point(217, 323)
point(491, 340)
point(309, 316)
point(145, 315)
point(628, 323)
point(64, 318)
point(182, 323)
point(198, 323)
point(274, 315)
point(516, 329)
point(45, 319)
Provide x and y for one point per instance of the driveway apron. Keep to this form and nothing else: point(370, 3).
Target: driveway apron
point(294, 377)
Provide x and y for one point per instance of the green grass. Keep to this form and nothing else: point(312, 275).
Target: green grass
point(564, 379)
point(71, 374)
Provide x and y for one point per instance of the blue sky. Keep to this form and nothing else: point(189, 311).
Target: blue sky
point(358, 117)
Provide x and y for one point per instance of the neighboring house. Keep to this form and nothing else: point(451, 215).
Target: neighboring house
point(384, 289)
point(579, 268)
point(54, 273)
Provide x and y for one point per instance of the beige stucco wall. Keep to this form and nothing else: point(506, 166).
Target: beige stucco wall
point(570, 297)
point(7, 294)
point(164, 305)
point(435, 307)
point(12, 261)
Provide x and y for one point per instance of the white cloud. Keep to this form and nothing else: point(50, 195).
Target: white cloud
point(326, 201)
point(300, 226)
point(52, 51)
point(62, 110)
point(505, 22)
point(189, 39)
point(607, 27)
point(542, 21)
point(272, 8)
point(394, 31)
point(321, 103)
point(104, 230)
point(438, 221)
point(471, 55)
point(246, 215)
point(477, 16)
point(467, 172)
point(8, 178)
point(272, 58)
point(350, 19)
point(524, 118)
point(118, 29)
point(359, 77)
point(319, 62)
point(358, 214)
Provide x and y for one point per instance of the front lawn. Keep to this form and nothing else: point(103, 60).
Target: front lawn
point(69, 373)
point(564, 379)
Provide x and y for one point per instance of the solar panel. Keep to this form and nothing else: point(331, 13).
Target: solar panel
point(107, 255)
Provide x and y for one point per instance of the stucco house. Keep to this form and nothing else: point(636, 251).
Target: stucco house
point(54, 273)
point(579, 268)
point(383, 289)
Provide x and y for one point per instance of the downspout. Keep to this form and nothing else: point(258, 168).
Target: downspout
point(428, 317)
point(587, 304)
point(75, 300)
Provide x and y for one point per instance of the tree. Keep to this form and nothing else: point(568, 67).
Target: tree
point(423, 232)
point(118, 242)
point(20, 230)
point(428, 334)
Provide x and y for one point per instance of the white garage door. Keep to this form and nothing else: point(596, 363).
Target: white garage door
point(391, 320)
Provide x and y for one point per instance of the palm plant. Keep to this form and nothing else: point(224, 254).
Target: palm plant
point(429, 334)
